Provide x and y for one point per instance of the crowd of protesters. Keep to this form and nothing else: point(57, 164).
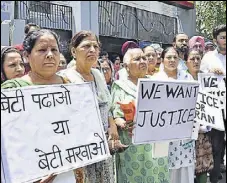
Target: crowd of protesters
point(39, 61)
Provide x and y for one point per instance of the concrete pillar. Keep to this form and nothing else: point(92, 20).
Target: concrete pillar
point(187, 21)
point(17, 31)
point(85, 16)
point(7, 10)
point(5, 33)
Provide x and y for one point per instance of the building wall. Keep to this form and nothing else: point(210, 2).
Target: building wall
point(7, 14)
point(186, 18)
point(187, 21)
point(7, 10)
point(85, 15)
point(5, 41)
point(153, 21)
point(153, 6)
point(66, 3)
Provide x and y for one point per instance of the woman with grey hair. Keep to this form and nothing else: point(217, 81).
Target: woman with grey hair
point(159, 51)
point(136, 163)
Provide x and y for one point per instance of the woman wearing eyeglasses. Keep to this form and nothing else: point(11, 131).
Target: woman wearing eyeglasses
point(108, 71)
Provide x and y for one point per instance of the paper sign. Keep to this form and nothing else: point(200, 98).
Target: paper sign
point(165, 110)
point(209, 111)
point(216, 85)
point(50, 129)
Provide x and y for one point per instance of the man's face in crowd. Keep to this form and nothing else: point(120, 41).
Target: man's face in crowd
point(198, 47)
point(221, 41)
point(106, 71)
point(209, 47)
point(181, 43)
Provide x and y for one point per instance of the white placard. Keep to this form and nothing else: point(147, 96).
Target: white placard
point(212, 81)
point(209, 111)
point(165, 110)
point(50, 129)
point(215, 84)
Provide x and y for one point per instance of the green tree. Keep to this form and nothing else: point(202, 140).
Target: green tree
point(208, 15)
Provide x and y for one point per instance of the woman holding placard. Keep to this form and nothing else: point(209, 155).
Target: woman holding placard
point(204, 155)
point(42, 52)
point(85, 48)
point(135, 164)
point(181, 153)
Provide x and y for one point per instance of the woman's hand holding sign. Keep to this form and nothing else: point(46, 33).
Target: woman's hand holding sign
point(129, 114)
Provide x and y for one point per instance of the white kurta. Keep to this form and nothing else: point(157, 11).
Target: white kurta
point(181, 152)
point(181, 66)
point(213, 60)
